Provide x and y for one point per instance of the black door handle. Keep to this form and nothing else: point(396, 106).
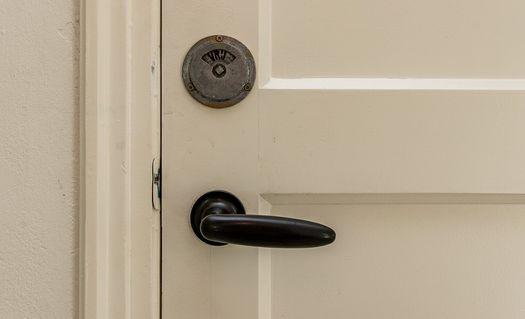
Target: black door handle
point(218, 218)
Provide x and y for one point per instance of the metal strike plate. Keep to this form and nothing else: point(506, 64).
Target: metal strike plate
point(218, 71)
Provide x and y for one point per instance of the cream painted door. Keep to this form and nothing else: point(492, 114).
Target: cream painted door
point(400, 124)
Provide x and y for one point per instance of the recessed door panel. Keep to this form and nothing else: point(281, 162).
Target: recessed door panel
point(406, 38)
point(403, 261)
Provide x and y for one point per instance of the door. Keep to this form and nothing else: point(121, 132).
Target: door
point(398, 124)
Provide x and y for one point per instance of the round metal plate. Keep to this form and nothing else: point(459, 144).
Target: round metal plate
point(219, 71)
point(218, 202)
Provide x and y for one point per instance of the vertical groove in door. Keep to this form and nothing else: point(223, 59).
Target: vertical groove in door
point(161, 170)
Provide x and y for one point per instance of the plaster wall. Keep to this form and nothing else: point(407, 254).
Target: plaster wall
point(39, 158)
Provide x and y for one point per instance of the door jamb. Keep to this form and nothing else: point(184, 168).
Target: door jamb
point(119, 271)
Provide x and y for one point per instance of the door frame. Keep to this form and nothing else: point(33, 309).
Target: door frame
point(119, 263)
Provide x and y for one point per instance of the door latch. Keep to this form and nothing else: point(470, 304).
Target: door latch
point(156, 179)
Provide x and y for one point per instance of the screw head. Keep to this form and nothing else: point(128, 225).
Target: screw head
point(218, 38)
point(191, 87)
point(247, 87)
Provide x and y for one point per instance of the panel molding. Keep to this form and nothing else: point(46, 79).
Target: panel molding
point(393, 198)
point(120, 135)
point(394, 84)
point(265, 43)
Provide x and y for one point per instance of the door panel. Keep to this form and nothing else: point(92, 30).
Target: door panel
point(406, 38)
point(404, 261)
point(397, 125)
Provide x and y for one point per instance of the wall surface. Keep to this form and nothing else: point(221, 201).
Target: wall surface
point(39, 158)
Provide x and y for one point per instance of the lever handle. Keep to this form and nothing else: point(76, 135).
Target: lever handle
point(218, 218)
point(265, 231)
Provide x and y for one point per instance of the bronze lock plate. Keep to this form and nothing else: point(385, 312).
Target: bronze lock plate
point(219, 71)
